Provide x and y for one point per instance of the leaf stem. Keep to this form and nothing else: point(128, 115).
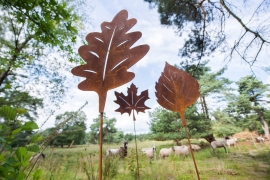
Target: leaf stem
point(190, 147)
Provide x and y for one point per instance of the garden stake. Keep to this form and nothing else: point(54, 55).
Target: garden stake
point(129, 103)
point(138, 168)
point(175, 91)
point(108, 56)
point(100, 145)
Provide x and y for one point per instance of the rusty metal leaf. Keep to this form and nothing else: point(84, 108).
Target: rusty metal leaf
point(176, 90)
point(108, 56)
point(131, 101)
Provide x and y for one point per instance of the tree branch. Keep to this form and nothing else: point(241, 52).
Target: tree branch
point(204, 22)
point(248, 30)
point(241, 22)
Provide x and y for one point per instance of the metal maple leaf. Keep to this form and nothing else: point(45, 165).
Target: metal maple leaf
point(108, 56)
point(131, 101)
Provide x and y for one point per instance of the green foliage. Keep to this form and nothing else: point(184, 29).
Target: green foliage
point(166, 125)
point(249, 105)
point(14, 161)
point(111, 167)
point(224, 124)
point(89, 166)
point(110, 133)
point(69, 127)
point(21, 98)
point(196, 71)
point(132, 164)
point(38, 39)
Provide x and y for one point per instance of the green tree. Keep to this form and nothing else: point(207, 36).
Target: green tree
point(18, 98)
point(224, 124)
point(37, 42)
point(206, 24)
point(109, 130)
point(129, 136)
point(252, 99)
point(237, 108)
point(118, 137)
point(71, 131)
point(166, 124)
point(212, 83)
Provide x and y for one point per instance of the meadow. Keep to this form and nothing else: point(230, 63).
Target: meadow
point(246, 161)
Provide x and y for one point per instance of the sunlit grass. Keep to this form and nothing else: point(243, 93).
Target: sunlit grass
point(245, 161)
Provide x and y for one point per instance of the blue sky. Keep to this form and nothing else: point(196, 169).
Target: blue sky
point(164, 45)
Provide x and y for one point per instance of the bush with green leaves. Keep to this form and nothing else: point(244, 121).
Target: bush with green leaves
point(14, 161)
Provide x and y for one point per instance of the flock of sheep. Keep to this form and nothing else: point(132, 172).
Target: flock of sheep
point(185, 150)
point(164, 152)
point(177, 150)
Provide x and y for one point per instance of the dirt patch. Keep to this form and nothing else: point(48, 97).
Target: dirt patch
point(246, 135)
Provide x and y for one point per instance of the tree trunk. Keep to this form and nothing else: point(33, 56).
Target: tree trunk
point(209, 138)
point(265, 126)
point(178, 142)
point(205, 108)
point(3, 76)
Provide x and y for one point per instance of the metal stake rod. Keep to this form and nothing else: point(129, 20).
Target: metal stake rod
point(194, 161)
point(100, 144)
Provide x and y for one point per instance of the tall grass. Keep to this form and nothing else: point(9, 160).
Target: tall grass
point(242, 162)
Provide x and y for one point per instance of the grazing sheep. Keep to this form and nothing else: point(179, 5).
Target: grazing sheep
point(112, 152)
point(259, 139)
point(122, 151)
point(165, 152)
point(38, 159)
point(181, 150)
point(149, 152)
point(219, 144)
point(195, 147)
point(231, 142)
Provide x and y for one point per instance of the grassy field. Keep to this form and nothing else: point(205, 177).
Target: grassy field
point(244, 162)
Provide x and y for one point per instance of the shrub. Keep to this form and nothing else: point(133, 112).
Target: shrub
point(15, 161)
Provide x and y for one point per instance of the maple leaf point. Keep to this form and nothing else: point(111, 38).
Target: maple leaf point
point(131, 101)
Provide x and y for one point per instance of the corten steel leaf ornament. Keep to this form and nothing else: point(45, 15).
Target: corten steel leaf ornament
point(129, 103)
point(175, 91)
point(108, 56)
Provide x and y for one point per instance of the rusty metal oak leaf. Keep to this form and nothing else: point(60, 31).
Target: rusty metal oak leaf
point(108, 56)
point(176, 90)
point(131, 101)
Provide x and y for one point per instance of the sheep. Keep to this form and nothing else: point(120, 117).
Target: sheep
point(219, 144)
point(112, 152)
point(149, 152)
point(181, 150)
point(165, 152)
point(231, 142)
point(122, 151)
point(195, 147)
point(259, 139)
point(37, 159)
